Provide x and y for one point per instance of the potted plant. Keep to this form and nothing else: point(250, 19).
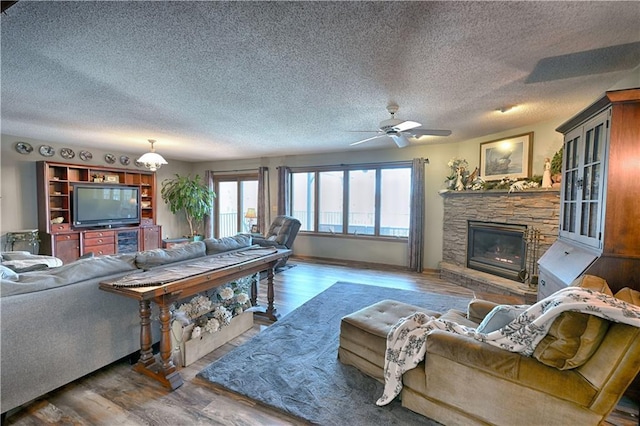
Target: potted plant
point(191, 196)
point(556, 166)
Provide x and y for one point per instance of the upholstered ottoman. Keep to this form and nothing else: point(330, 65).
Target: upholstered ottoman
point(363, 334)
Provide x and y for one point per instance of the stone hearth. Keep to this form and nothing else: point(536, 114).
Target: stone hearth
point(483, 282)
point(538, 209)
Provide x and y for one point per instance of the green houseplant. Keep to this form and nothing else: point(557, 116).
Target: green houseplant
point(189, 195)
point(556, 165)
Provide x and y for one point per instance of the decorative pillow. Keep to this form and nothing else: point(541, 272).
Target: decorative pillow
point(23, 259)
point(574, 336)
point(21, 266)
point(157, 257)
point(22, 253)
point(500, 316)
point(629, 295)
point(215, 246)
point(8, 273)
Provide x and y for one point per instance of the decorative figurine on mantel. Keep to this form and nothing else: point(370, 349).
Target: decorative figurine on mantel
point(546, 175)
point(459, 185)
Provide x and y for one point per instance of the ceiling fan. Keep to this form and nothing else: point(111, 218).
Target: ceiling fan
point(400, 130)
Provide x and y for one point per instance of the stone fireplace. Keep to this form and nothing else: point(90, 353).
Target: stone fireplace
point(497, 248)
point(533, 209)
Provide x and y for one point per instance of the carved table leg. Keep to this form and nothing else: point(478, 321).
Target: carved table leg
point(165, 340)
point(253, 297)
point(164, 371)
point(271, 312)
point(146, 352)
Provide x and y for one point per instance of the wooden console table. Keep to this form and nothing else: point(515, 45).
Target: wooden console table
point(165, 285)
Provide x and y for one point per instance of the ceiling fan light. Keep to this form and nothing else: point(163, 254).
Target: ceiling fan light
point(152, 160)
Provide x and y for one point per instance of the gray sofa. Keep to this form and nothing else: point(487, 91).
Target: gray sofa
point(58, 326)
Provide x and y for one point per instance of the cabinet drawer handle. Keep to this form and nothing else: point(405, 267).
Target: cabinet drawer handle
point(100, 234)
point(100, 252)
point(542, 282)
point(68, 237)
point(100, 240)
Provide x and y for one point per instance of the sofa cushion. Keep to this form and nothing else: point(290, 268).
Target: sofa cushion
point(151, 258)
point(215, 246)
point(573, 336)
point(629, 295)
point(75, 272)
point(458, 317)
point(478, 309)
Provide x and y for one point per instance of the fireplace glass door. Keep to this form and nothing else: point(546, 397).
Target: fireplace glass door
point(497, 248)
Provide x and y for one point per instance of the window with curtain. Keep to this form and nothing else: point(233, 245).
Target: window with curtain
point(236, 204)
point(371, 201)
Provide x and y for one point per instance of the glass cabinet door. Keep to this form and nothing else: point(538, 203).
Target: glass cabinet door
point(583, 180)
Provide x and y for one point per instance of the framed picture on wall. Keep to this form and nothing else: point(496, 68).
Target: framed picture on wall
point(254, 229)
point(509, 157)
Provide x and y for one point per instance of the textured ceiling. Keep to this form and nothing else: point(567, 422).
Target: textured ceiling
point(223, 80)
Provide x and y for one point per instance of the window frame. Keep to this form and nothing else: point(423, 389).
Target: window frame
point(237, 178)
point(345, 168)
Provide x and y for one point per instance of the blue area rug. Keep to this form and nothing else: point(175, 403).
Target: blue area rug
point(292, 365)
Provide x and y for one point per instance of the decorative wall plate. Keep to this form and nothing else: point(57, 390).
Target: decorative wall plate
point(24, 148)
point(85, 155)
point(46, 151)
point(139, 164)
point(67, 153)
point(124, 160)
point(110, 158)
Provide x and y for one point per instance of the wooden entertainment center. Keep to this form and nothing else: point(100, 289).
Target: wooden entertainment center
point(58, 237)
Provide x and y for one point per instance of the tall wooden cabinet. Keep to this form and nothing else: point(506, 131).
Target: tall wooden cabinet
point(57, 236)
point(599, 216)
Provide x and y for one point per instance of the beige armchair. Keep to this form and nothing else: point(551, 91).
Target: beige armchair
point(577, 374)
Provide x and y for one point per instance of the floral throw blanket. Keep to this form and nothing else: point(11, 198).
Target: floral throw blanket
point(406, 341)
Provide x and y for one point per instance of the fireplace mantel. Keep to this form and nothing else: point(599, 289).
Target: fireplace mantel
point(498, 192)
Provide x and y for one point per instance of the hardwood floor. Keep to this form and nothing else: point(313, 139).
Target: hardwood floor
point(115, 395)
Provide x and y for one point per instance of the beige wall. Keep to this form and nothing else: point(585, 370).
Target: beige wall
point(18, 189)
point(546, 142)
point(18, 209)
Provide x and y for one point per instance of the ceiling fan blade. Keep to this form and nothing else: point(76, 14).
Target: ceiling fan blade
point(366, 140)
point(401, 140)
point(406, 125)
point(429, 132)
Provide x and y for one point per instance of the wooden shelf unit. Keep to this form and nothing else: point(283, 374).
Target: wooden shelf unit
point(55, 190)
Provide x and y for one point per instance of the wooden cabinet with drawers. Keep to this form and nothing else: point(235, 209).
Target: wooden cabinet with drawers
point(99, 242)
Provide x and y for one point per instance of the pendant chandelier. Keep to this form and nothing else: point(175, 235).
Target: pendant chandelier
point(152, 160)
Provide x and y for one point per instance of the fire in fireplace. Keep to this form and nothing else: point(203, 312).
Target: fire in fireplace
point(497, 248)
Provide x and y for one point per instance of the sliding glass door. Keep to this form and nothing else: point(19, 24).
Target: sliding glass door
point(236, 205)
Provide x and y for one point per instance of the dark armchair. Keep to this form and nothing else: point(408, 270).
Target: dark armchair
point(281, 234)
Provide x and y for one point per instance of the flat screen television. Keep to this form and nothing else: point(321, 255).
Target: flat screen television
point(103, 205)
